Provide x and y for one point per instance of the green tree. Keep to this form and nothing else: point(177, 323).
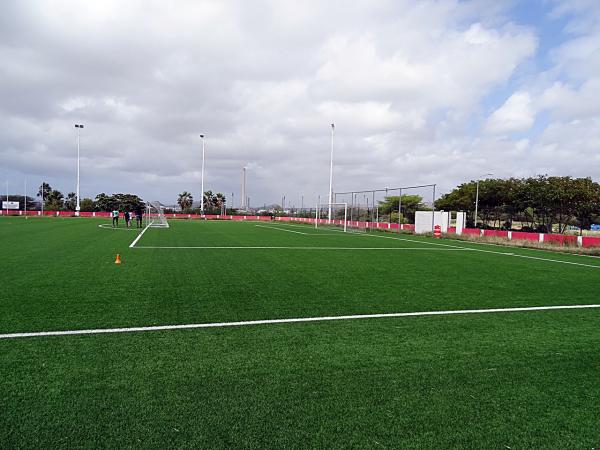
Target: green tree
point(104, 202)
point(461, 198)
point(121, 202)
point(71, 201)
point(54, 200)
point(87, 205)
point(128, 202)
point(540, 201)
point(410, 204)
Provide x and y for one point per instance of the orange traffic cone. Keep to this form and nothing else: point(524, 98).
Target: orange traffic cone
point(118, 260)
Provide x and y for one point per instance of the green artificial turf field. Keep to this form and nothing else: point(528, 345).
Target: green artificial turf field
point(524, 379)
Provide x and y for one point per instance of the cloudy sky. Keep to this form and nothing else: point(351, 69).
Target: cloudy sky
point(420, 92)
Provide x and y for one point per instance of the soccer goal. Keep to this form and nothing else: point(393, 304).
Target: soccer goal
point(155, 215)
point(331, 214)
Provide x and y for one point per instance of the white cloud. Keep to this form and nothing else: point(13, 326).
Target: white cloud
point(567, 102)
point(515, 115)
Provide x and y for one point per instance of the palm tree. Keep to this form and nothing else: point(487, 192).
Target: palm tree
point(184, 200)
point(219, 200)
point(208, 200)
point(44, 190)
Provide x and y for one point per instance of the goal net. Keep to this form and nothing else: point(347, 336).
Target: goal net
point(331, 215)
point(155, 215)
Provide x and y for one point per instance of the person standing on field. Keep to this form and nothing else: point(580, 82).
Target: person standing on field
point(138, 216)
point(115, 218)
point(127, 219)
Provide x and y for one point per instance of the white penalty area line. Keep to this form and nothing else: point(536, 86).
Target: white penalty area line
point(299, 232)
point(294, 320)
point(139, 236)
point(280, 229)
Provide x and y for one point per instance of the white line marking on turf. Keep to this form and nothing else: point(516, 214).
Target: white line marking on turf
point(536, 258)
point(439, 244)
point(280, 229)
point(293, 320)
point(542, 250)
point(110, 227)
point(139, 236)
point(301, 248)
point(516, 255)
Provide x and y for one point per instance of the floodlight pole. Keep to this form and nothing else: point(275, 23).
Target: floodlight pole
point(25, 200)
point(331, 172)
point(202, 178)
point(477, 195)
point(7, 197)
point(77, 207)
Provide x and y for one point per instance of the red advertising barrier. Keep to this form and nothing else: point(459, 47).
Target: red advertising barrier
point(526, 236)
point(496, 233)
point(560, 239)
point(590, 242)
point(556, 239)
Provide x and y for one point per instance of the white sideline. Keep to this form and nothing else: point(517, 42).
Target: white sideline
point(139, 236)
point(294, 320)
point(300, 248)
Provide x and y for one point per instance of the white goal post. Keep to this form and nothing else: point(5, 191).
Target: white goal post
point(336, 209)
